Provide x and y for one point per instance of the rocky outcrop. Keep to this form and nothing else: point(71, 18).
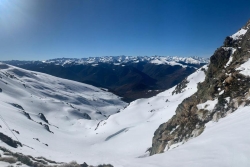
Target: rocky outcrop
point(180, 87)
point(41, 115)
point(224, 89)
point(85, 116)
point(9, 141)
point(47, 128)
point(30, 161)
point(81, 115)
point(17, 106)
point(27, 115)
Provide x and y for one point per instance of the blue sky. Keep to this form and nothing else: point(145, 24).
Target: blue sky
point(45, 29)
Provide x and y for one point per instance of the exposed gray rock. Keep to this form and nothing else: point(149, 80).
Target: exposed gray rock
point(6, 139)
point(27, 115)
point(189, 121)
point(81, 115)
point(17, 106)
point(43, 117)
point(47, 128)
point(180, 87)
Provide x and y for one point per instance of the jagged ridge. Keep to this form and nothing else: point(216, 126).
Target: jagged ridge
point(222, 92)
point(130, 59)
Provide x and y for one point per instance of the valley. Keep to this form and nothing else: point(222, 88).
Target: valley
point(124, 111)
point(126, 76)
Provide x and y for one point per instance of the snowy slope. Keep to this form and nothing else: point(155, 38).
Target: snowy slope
point(75, 98)
point(224, 143)
point(90, 125)
point(123, 136)
point(137, 122)
point(67, 105)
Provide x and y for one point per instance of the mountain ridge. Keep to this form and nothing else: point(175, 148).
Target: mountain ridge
point(128, 77)
point(171, 60)
point(224, 90)
point(203, 120)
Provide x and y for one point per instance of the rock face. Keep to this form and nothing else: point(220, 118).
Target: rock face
point(222, 92)
point(9, 141)
point(41, 115)
point(179, 88)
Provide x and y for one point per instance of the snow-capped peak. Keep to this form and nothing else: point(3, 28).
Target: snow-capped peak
point(130, 59)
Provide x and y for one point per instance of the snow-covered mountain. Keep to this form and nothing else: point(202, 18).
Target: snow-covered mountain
point(128, 77)
point(119, 60)
point(203, 121)
point(68, 134)
point(42, 112)
point(225, 90)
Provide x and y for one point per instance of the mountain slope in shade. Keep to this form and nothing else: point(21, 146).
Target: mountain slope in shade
point(128, 77)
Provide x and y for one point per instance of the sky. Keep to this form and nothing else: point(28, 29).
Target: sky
point(46, 29)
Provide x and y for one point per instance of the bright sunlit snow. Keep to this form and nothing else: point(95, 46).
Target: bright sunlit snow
point(239, 34)
point(245, 68)
point(208, 105)
point(121, 138)
point(231, 55)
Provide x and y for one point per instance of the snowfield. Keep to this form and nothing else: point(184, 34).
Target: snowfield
point(117, 133)
point(125, 135)
point(70, 108)
point(224, 143)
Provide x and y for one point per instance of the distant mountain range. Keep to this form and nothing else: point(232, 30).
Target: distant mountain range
point(130, 77)
point(203, 121)
point(118, 60)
